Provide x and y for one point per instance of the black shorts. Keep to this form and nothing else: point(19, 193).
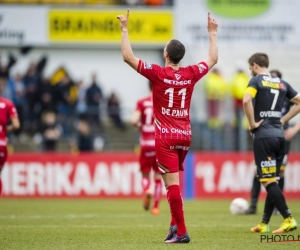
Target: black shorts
point(269, 154)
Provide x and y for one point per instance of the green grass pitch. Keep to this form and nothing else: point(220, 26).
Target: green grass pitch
point(122, 224)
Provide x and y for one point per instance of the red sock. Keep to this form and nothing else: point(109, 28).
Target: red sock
point(176, 208)
point(157, 192)
point(145, 183)
point(0, 186)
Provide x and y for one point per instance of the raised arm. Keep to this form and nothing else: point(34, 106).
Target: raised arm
point(212, 28)
point(126, 49)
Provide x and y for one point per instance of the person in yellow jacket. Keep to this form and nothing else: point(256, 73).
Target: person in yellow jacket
point(215, 91)
point(238, 86)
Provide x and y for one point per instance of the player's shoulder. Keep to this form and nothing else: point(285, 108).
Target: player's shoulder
point(284, 82)
point(201, 65)
point(147, 65)
point(256, 79)
point(198, 68)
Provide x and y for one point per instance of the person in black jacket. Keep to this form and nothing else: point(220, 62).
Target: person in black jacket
point(94, 97)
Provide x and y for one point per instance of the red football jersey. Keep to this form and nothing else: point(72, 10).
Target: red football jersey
point(147, 137)
point(7, 111)
point(172, 94)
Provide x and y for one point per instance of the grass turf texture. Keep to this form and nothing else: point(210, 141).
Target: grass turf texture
point(123, 224)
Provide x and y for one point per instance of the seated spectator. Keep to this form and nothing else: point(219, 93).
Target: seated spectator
point(51, 131)
point(84, 137)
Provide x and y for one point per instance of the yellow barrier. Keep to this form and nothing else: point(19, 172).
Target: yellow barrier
point(87, 26)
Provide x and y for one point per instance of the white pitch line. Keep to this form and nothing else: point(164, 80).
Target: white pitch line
point(77, 226)
point(104, 226)
point(67, 216)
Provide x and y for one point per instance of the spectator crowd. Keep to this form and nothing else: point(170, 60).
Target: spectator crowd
point(58, 106)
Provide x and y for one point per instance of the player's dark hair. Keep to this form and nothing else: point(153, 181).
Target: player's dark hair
point(176, 51)
point(261, 59)
point(275, 73)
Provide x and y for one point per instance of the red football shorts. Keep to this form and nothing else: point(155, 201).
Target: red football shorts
point(3, 156)
point(170, 154)
point(148, 159)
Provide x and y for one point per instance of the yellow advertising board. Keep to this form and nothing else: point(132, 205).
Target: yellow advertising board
point(102, 26)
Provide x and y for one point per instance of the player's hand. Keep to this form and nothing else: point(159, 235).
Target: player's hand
point(254, 126)
point(212, 24)
point(124, 21)
point(289, 133)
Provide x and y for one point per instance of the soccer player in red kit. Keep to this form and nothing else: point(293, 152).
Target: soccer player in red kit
point(8, 113)
point(172, 88)
point(142, 119)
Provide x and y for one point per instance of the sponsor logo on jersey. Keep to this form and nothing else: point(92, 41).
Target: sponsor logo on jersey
point(179, 147)
point(181, 131)
point(2, 105)
point(174, 82)
point(273, 85)
point(176, 131)
point(147, 65)
point(269, 163)
point(177, 76)
point(268, 167)
point(201, 67)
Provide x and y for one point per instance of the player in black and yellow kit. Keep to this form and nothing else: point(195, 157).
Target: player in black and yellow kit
point(289, 133)
point(263, 101)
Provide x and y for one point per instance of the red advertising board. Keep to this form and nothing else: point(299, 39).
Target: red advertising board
point(54, 175)
point(230, 175)
point(206, 175)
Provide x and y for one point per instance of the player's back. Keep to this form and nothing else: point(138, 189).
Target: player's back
point(172, 99)
point(268, 104)
point(172, 92)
